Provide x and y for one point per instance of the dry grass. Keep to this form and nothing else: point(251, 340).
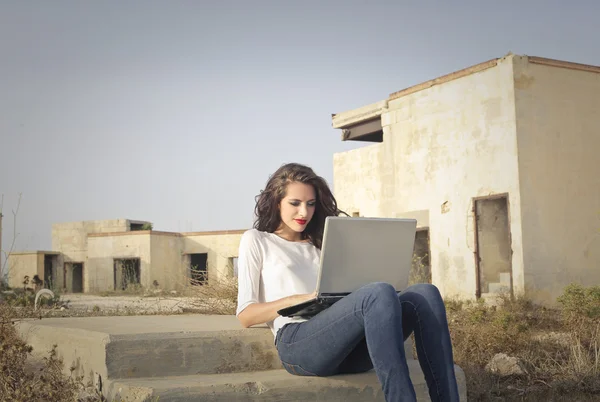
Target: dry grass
point(19, 381)
point(419, 271)
point(559, 348)
point(218, 296)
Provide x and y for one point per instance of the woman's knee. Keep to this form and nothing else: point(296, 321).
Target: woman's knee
point(380, 288)
point(428, 290)
point(379, 291)
point(423, 294)
point(377, 297)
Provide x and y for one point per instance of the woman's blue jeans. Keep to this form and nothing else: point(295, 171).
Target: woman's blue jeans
point(367, 330)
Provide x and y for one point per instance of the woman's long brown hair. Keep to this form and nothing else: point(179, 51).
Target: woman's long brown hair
point(268, 218)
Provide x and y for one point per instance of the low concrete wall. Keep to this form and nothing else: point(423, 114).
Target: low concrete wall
point(25, 263)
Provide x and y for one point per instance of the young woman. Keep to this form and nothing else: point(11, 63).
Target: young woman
point(277, 267)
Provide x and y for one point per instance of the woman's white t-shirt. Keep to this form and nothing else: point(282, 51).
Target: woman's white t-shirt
point(270, 268)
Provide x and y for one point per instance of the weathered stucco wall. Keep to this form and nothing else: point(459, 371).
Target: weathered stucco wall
point(25, 263)
point(220, 247)
point(71, 238)
point(97, 244)
point(103, 249)
point(558, 126)
point(442, 146)
point(162, 256)
point(167, 260)
point(357, 180)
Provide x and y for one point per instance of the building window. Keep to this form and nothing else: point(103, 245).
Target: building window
point(198, 269)
point(126, 273)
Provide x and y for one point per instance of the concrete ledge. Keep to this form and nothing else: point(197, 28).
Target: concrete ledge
point(192, 358)
point(350, 117)
point(273, 385)
point(149, 346)
point(153, 345)
point(80, 349)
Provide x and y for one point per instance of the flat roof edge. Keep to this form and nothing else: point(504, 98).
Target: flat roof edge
point(563, 64)
point(215, 232)
point(355, 116)
point(134, 233)
point(374, 110)
point(35, 252)
point(100, 221)
point(445, 78)
point(161, 233)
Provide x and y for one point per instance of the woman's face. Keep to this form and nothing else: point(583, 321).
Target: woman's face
point(297, 207)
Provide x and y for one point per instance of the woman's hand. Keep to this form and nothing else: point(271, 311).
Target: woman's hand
point(301, 298)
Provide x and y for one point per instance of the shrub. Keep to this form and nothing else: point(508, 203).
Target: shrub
point(217, 296)
point(579, 302)
point(17, 382)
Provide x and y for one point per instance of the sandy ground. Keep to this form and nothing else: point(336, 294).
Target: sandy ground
point(78, 301)
point(81, 304)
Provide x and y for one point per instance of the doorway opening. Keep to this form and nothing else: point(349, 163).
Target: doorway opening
point(77, 277)
point(50, 271)
point(493, 252)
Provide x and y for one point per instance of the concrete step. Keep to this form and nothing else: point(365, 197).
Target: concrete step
point(190, 357)
point(150, 346)
point(497, 288)
point(505, 278)
point(273, 385)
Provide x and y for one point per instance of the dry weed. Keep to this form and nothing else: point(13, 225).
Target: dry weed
point(420, 272)
point(560, 349)
point(217, 296)
point(18, 382)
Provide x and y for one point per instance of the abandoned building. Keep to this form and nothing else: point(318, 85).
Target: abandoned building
point(95, 256)
point(499, 165)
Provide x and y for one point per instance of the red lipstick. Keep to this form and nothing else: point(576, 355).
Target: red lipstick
point(301, 221)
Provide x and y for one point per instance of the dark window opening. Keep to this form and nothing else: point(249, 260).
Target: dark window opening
point(136, 226)
point(126, 273)
point(198, 269)
point(369, 131)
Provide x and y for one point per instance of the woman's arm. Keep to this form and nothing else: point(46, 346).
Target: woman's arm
point(260, 313)
point(250, 310)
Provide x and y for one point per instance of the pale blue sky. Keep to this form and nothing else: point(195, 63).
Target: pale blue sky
point(177, 111)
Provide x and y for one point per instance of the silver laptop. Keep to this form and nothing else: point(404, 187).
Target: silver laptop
point(356, 252)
